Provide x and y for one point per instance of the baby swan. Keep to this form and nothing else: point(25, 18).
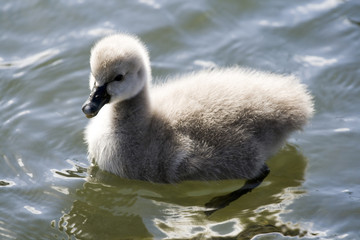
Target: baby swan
point(209, 125)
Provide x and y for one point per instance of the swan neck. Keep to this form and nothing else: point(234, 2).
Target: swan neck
point(134, 111)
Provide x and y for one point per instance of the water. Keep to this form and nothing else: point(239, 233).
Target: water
point(46, 191)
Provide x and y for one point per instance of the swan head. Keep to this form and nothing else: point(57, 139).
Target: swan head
point(120, 68)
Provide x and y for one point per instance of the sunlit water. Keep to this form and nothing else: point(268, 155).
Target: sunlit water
point(48, 189)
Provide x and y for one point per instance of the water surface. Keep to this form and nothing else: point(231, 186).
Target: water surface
point(49, 190)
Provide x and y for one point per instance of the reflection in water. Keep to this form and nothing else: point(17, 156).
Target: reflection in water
point(185, 222)
point(220, 202)
point(108, 207)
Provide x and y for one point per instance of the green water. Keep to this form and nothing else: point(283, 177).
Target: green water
point(48, 189)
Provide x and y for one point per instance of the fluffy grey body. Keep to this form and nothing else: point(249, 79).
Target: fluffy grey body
point(210, 125)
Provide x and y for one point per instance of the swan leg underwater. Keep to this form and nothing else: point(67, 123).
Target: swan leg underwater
point(208, 125)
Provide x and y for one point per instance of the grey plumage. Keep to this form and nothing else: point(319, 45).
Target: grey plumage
point(209, 125)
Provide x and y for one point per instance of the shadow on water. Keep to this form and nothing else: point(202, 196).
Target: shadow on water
point(108, 207)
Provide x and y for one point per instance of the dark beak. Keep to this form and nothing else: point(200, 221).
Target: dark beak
point(97, 99)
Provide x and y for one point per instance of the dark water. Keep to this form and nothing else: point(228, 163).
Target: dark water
point(313, 189)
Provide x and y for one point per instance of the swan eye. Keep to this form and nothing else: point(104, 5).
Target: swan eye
point(119, 78)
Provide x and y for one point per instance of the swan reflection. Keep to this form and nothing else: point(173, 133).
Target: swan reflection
point(108, 207)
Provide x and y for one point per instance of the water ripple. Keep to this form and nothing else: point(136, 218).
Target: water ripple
point(29, 60)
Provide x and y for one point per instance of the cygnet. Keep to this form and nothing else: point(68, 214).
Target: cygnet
point(213, 124)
